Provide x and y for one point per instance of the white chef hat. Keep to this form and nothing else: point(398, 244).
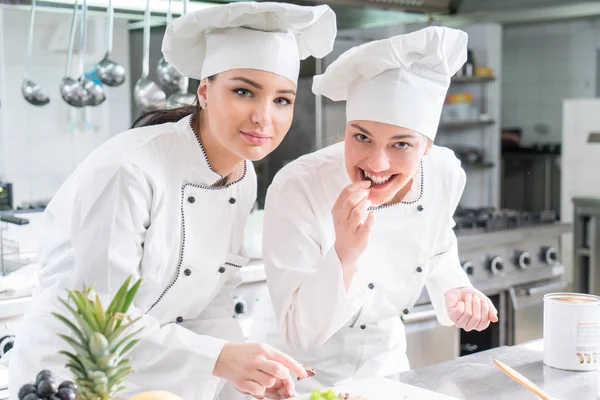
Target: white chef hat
point(400, 81)
point(267, 36)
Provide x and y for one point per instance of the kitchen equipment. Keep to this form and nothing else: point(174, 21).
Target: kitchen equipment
point(147, 94)
point(386, 389)
point(526, 307)
point(586, 242)
point(428, 342)
point(71, 89)
point(168, 76)
point(458, 107)
point(520, 379)
point(110, 72)
point(32, 92)
point(181, 97)
point(572, 331)
point(6, 196)
point(95, 91)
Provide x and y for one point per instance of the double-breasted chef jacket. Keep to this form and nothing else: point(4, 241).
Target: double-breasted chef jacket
point(354, 334)
point(144, 204)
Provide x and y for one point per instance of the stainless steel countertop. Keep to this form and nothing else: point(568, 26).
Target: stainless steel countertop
point(476, 377)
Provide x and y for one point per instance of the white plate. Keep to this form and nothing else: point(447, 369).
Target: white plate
point(386, 389)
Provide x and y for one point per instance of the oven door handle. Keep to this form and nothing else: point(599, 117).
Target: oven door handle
point(544, 288)
point(419, 316)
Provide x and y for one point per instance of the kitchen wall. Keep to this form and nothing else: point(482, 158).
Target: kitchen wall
point(542, 64)
point(40, 146)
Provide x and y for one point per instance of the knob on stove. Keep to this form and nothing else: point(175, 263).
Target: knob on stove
point(496, 264)
point(6, 343)
point(523, 259)
point(549, 255)
point(468, 267)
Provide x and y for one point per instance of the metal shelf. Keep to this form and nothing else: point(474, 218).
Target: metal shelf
point(481, 165)
point(466, 124)
point(473, 79)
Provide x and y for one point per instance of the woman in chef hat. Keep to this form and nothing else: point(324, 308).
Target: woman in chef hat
point(167, 203)
point(353, 232)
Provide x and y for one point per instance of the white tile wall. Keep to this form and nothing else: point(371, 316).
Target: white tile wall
point(542, 65)
point(41, 146)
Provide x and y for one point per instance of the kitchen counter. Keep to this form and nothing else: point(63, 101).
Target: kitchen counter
point(476, 377)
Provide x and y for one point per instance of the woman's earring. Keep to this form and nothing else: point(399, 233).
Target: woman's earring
point(203, 104)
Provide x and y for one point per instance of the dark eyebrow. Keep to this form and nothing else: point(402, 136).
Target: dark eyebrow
point(287, 91)
point(248, 81)
point(402, 137)
point(397, 137)
point(360, 128)
point(259, 86)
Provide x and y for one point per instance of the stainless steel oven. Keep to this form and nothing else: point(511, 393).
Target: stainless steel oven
point(526, 309)
point(428, 342)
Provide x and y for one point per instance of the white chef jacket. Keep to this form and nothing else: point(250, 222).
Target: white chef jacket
point(144, 204)
point(359, 333)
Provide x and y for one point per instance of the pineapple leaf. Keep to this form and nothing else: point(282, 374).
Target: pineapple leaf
point(65, 321)
point(85, 308)
point(99, 314)
point(81, 322)
point(123, 362)
point(121, 293)
point(73, 359)
point(75, 370)
point(119, 376)
point(125, 340)
point(129, 346)
point(130, 295)
point(120, 330)
point(81, 349)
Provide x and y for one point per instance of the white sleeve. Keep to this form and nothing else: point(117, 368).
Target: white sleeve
point(110, 219)
point(305, 280)
point(446, 270)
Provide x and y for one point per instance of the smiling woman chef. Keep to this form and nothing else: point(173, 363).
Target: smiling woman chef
point(168, 203)
point(353, 232)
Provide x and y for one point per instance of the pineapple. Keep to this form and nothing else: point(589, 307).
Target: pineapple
point(101, 342)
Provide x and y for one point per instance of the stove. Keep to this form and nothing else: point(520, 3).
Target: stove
point(477, 220)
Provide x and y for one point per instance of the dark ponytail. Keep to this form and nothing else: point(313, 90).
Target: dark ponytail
point(158, 117)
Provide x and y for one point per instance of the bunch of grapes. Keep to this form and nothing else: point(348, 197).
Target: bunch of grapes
point(45, 387)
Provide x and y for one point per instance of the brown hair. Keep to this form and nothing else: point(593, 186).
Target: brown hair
point(171, 114)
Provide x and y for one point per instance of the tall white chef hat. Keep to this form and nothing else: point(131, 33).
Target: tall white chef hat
point(271, 37)
point(400, 81)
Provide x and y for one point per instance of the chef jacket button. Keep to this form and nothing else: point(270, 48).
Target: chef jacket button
point(179, 320)
point(231, 200)
point(419, 208)
point(405, 311)
point(221, 269)
point(371, 285)
point(191, 199)
point(187, 272)
point(419, 269)
point(363, 327)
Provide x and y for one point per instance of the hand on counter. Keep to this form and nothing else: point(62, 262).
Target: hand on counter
point(470, 309)
point(258, 370)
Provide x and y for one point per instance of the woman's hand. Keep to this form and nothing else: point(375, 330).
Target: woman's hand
point(353, 222)
point(256, 368)
point(470, 309)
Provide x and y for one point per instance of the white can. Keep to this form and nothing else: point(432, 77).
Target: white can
point(572, 331)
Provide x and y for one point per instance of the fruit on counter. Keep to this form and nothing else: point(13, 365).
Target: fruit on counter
point(309, 371)
point(331, 395)
point(45, 387)
point(155, 395)
point(101, 341)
